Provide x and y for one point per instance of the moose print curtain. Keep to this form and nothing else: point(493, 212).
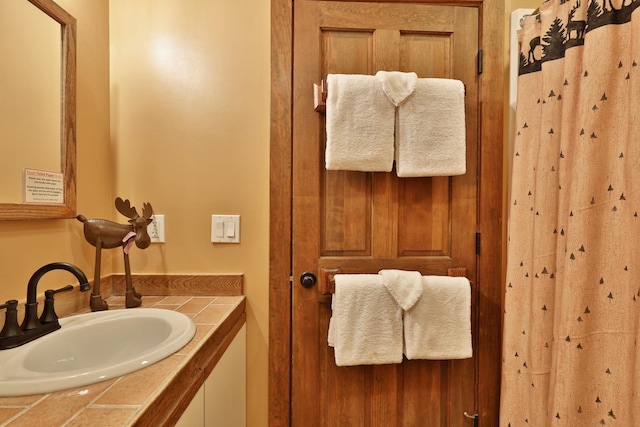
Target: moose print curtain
point(571, 355)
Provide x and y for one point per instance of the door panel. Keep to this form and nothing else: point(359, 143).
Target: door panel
point(363, 222)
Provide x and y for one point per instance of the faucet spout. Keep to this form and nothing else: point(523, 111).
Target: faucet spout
point(31, 307)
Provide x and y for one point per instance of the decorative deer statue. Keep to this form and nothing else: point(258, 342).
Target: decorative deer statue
point(104, 234)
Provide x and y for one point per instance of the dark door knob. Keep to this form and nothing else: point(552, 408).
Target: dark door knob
point(308, 279)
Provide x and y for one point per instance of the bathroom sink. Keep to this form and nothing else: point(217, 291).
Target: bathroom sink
point(93, 347)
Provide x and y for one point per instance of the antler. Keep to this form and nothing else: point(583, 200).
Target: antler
point(147, 210)
point(124, 207)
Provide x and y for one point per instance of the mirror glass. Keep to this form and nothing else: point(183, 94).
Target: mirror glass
point(37, 111)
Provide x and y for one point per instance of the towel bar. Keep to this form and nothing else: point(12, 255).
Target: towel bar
point(328, 283)
point(320, 96)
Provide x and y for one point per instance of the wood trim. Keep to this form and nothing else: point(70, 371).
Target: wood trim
point(196, 285)
point(489, 277)
point(68, 208)
point(490, 177)
point(280, 195)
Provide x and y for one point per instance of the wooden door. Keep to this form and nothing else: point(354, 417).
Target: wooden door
point(363, 222)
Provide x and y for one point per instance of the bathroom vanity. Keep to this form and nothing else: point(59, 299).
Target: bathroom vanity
point(204, 380)
point(221, 399)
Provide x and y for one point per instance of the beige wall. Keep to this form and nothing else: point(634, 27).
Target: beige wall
point(183, 125)
point(190, 134)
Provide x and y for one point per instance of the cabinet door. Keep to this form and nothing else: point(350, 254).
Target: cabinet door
point(193, 416)
point(225, 390)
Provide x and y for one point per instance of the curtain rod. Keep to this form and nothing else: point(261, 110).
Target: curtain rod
point(534, 13)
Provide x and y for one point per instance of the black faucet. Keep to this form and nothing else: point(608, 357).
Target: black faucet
point(14, 335)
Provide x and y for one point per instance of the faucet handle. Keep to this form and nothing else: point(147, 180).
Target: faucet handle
point(11, 327)
point(48, 312)
point(12, 303)
point(63, 289)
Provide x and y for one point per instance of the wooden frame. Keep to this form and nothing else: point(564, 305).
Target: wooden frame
point(280, 195)
point(490, 276)
point(67, 209)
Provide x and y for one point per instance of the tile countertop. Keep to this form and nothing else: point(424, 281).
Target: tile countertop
point(153, 396)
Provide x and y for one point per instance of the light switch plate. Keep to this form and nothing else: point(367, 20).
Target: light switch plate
point(225, 228)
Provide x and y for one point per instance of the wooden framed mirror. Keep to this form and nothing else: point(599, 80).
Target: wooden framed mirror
point(24, 105)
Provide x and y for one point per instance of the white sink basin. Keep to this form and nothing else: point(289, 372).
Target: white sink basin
point(93, 347)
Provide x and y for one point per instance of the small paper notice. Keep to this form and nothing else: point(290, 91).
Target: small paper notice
point(43, 186)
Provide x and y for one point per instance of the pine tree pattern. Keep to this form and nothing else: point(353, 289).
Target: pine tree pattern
point(572, 291)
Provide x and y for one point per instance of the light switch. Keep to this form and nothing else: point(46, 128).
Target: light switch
point(218, 228)
point(225, 228)
point(230, 229)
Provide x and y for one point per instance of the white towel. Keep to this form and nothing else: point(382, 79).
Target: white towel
point(359, 124)
point(405, 286)
point(430, 135)
point(366, 324)
point(398, 86)
point(439, 325)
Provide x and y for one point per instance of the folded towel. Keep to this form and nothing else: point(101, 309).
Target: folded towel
point(430, 135)
point(405, 286)
point(366, 323)
point(438, 326)
point(359, 124)
point(397, 85)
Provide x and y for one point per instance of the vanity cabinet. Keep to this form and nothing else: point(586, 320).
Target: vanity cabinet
point(221, 401)
point(194, 414)
point(207, 379)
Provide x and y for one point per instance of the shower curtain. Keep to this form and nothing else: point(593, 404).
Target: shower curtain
point(572, 292)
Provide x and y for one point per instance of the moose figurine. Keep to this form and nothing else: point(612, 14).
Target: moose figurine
point(104, 234)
